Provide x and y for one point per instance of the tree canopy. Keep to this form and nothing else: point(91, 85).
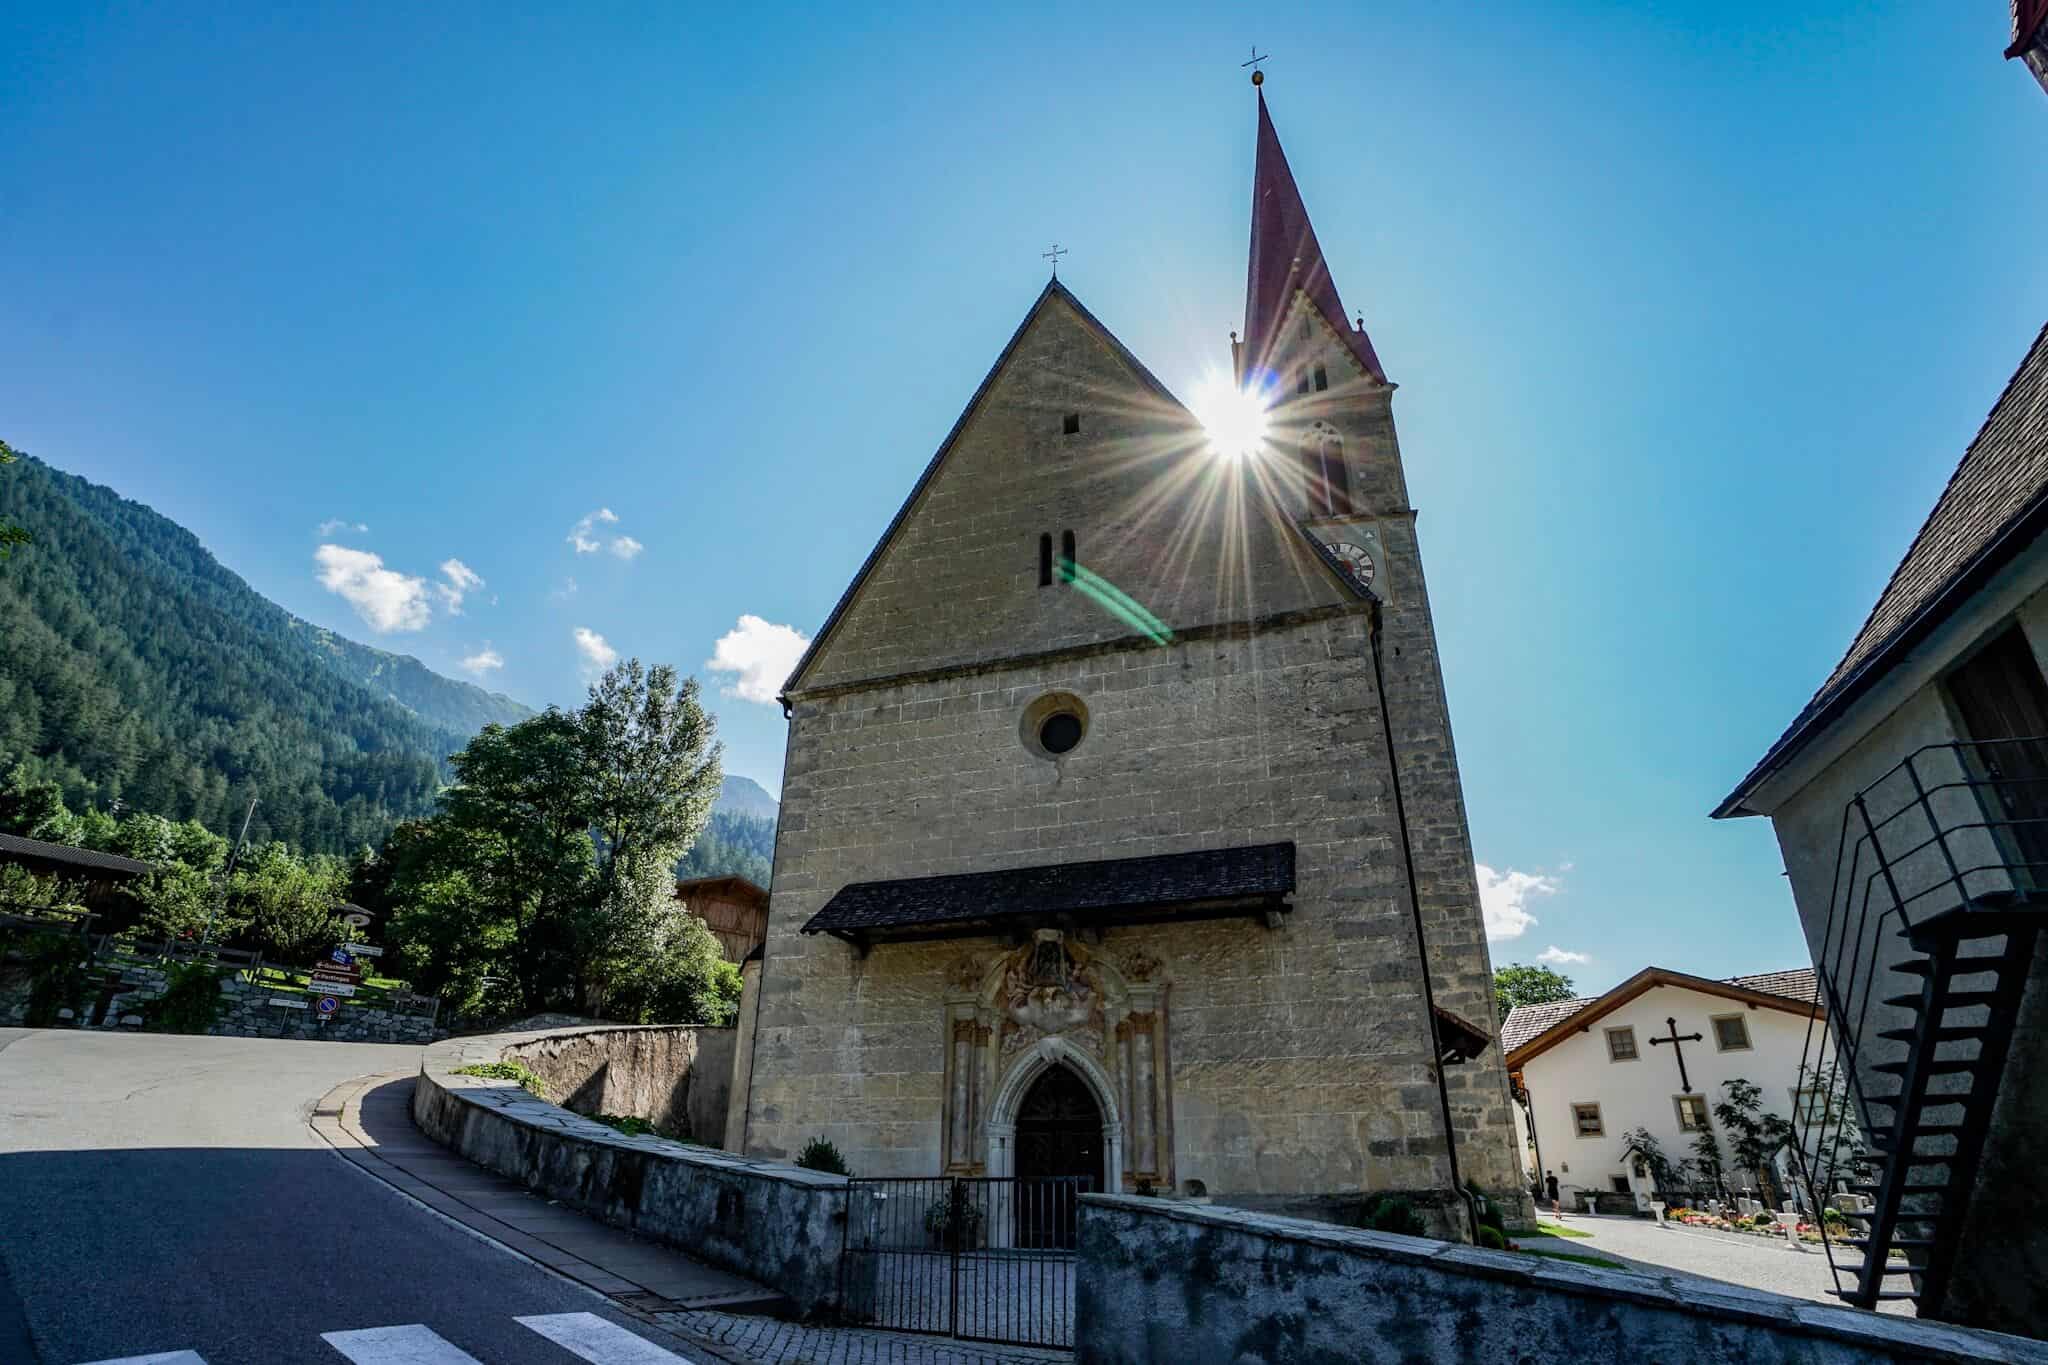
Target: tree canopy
point(1521, 984)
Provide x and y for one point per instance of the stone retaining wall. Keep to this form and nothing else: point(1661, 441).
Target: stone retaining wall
point(1205, 1285)
point(246, 1011)
point(677, 1078)
point(767, 1220)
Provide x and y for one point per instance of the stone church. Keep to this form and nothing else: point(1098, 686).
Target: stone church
point(1122, 833)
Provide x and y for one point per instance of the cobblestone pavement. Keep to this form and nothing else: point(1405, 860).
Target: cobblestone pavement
point(1736, 1258)
point(771, 1341)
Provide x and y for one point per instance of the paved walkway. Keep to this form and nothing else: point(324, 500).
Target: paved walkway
point(1734, 1258)
point(723, 1316)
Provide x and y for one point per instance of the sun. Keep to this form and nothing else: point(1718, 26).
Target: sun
point(1234, 419)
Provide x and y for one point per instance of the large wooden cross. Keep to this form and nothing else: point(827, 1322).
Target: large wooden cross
point(1675, 1039)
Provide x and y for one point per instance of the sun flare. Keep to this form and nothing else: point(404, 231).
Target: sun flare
point(1233, 418)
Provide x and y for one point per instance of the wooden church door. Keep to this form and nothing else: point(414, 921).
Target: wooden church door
point(1059, 1134)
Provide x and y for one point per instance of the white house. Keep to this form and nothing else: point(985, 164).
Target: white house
point(1587, 1071)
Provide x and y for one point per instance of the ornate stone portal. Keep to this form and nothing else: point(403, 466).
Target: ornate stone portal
point(1055, 1002)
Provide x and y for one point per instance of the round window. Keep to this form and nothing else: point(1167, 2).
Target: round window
point(1054, 725)
point(1059, 732)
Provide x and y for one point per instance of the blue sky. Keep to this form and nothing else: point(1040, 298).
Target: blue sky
point(1693, 308)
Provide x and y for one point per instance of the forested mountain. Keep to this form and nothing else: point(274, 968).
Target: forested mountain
point(133, 666)
point(745, 796)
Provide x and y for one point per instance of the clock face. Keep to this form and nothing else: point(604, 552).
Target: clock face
point(1355, 561)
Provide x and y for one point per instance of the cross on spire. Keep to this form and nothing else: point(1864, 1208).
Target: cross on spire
point(1054, 256)
point(1258, 76)
point(1675, 1038)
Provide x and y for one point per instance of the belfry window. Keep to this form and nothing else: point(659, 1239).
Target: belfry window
point(1070, 425)
point(1045, 561)
point(1322, 379)
point(1301, 380)
point(1328, 477)
point(1068, 563)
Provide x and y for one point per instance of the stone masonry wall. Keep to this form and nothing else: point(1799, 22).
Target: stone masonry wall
point(1211, 1286)
point(245, 1012)
point(675, 1077)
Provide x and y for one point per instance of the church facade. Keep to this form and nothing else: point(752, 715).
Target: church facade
point(1122, 833)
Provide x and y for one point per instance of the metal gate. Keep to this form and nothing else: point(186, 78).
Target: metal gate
point(980, 1258)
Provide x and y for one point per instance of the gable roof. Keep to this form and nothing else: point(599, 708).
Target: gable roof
point(1995, 505)
point(14, 847)
point(1053, 290)
point(1531, 1030)
point(1285, 256)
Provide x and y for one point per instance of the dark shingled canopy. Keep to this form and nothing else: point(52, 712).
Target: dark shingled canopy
point(1203, 884)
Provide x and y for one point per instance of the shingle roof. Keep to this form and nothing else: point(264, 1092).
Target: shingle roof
point(1096, 892)
point(2000, 487)
point(14, 846)
point(1525, 1022)
point(1801, 984)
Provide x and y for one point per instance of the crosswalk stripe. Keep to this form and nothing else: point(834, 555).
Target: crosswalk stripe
point(598, 1341)
point(413, 1345)
point(161, 1358)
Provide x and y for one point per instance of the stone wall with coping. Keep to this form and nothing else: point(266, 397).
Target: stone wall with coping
point(770, 1221)
point(677, 1077)
point(1165, 1280)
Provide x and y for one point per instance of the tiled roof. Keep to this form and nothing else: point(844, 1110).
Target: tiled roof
point(2001, 483)
point(1096, 892)
point(1527, 1021)
point(14, 846)
point(1285, 256)
point(2027, 18)
point(1801, 984)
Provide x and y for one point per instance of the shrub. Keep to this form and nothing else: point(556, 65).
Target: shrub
point(58, 973)
point(820, 1155)
point(528, 1079)
point(1492, 1238)
point(1391, 1213)
point(190, 1002)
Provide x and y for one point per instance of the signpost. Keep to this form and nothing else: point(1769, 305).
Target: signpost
point(326, 1005)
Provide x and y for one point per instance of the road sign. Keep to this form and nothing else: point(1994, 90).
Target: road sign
point(364, 950)
point(327, 1005)
point(289, 1002)
point(341, 955)
point(356, 920)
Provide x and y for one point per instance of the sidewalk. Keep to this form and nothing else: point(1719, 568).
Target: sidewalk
point(722, 1316)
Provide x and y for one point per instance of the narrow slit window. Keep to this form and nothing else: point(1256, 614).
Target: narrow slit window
point(1070, 425)
point(1067, 560)
point(1322, 379)
point(1301, 380)
point(1045, 560)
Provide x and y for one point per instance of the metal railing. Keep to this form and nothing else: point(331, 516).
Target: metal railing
point(1949, 829)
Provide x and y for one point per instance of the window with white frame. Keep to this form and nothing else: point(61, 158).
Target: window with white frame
point(1692, 1112)
point(1731, 1033)
point(1621, 1045)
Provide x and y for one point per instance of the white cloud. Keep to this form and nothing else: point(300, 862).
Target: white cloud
point(1504, 899)
point(386, 599)
point(565, 592)
point(763, 655)
point(1558, 957)
point(597, 654)
point(461, 579)
point(333, 524)
point(580, 534)
point(625, 547)
point(483, 661)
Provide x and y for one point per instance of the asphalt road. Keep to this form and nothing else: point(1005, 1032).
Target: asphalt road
point(164, 1194)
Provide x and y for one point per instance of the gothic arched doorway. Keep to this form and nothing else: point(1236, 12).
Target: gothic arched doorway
point(1059, 1134)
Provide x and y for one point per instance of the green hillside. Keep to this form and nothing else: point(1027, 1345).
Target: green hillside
point(133, 666)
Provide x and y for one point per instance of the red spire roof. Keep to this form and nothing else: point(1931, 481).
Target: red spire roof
point(1285, 256)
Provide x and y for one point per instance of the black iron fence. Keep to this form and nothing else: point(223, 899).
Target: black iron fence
point(982, 1258)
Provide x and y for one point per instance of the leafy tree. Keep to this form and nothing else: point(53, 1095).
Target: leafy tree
point(1520, 984)
point(1707, 1158)
point(1754, 1137)
point(289, 903)
point(10, 534)
point(176, 901)
point(1670, 1175)
point(28, 806)
point(23, 891)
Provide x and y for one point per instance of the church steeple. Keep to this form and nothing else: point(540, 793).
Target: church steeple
point(1286, 258)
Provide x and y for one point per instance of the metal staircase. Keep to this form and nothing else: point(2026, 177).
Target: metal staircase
point(1927, 949)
